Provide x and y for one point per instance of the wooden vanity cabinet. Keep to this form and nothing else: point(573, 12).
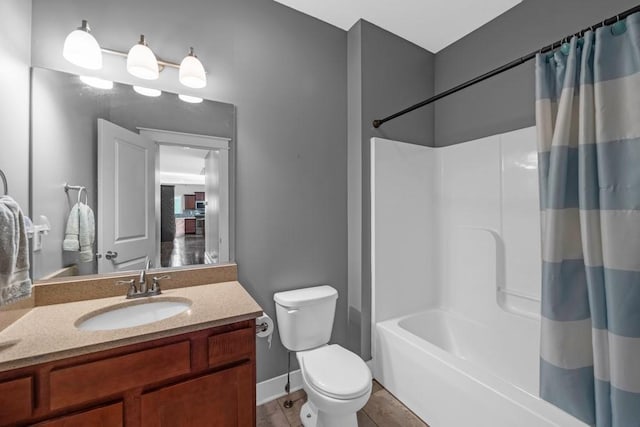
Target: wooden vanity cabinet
point(107, 416)
point(218, 397)
point(202, 378)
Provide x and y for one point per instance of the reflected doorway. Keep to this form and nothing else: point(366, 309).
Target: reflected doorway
point(192, 198)
point(183, 202)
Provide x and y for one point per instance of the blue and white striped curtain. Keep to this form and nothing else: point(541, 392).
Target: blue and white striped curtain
point(588, 120)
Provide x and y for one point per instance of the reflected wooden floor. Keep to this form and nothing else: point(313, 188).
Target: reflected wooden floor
point(382, 410)
point(184, 250)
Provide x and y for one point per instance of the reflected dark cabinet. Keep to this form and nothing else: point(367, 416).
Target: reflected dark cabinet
point(167, 215)
point(189, 226)
point(189, 201)
point(199, 196)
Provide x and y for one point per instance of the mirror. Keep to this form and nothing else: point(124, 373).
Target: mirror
point(157, 173)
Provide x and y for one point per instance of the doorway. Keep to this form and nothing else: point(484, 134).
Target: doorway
point(192, 198)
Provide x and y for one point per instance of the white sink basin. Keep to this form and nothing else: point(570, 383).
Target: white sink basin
point(134, 313)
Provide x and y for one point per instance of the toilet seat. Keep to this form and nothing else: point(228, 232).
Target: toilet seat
point(336, 372)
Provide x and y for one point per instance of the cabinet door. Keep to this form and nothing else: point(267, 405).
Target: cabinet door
point(189, 201)
point(199, 196)
point(107, 416)
point(190, 226)
point(222, 399)
point(16, 399)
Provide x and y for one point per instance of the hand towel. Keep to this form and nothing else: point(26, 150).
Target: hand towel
point(71, 241)
point(15, 282)
point(87, 235)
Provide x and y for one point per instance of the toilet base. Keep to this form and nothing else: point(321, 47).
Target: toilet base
point(311, 417)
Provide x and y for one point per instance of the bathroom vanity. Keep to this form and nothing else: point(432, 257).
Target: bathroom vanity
point(195, 368)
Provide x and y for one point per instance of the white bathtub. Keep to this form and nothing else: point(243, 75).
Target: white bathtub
point(455, 372)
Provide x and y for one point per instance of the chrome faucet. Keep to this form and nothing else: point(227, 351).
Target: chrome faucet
point(142, 282)
point(142, 290)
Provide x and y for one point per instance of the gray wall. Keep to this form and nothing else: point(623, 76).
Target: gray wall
point(286, 74)
point(505, 102)
point(15, 45)
point(386, 74)
point(64, 141)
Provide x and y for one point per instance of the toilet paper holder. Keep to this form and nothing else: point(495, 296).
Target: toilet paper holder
point(261, 327)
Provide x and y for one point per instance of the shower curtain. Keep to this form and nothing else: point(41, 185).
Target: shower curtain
point(588, 121)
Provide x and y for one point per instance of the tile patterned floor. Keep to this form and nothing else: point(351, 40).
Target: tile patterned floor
point(382, 410)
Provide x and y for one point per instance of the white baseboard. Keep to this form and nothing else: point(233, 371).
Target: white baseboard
point(273, 388)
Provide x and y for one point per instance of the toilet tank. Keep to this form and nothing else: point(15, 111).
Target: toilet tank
point(305, 316)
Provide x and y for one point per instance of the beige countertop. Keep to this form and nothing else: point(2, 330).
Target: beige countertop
point(49, 333)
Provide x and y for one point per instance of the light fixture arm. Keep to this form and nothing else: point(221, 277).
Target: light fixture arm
point(161, 62)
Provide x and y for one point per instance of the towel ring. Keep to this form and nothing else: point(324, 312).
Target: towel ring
point(86, 195)
point(4, 183)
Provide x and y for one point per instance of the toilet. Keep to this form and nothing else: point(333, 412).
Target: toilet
point(337, 381)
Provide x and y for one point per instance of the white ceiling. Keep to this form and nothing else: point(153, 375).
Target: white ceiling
point(181, 165)
point(431, 24)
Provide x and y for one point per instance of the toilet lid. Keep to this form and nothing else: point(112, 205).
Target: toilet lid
point(336, 372)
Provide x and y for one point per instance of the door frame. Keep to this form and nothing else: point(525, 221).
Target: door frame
point(183, 139)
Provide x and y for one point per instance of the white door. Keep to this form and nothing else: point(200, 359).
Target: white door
point(126, 226)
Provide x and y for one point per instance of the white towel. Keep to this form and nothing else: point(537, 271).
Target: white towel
point(15, 282)
point(71, 241)
point(87, 235)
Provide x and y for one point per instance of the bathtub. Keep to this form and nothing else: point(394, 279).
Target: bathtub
point(454, 372)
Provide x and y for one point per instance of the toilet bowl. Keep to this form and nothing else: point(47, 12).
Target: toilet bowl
point(337, 383)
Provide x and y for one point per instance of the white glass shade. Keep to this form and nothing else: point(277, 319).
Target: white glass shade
point(190, 99)
point(142, 63)
point(147, 91)
point(192, 72)
point(97, 82)
point(82, 49)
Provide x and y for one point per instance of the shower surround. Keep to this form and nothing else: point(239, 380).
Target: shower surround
point(456, 280)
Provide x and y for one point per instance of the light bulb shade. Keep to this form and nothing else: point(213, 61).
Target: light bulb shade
point(190, 99)
point(147, 91)
point(82, 49)
point(142, 63)
point(192, 72)
point(97, 82)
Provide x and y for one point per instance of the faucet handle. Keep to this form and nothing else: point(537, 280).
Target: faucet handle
point(155, 287)
point(133, 289)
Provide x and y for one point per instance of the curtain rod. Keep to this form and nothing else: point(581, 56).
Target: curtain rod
point(379, 122)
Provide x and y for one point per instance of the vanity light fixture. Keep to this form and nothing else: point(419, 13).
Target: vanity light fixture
point(141, 62)
point(192, 72)
point(82, 49)
point(147, 91)
point(97, 82)
point(190, 99)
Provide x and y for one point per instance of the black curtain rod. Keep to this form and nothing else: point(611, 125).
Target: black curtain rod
point(377, 123)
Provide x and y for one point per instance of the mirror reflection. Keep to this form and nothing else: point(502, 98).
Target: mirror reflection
point(147, 175)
